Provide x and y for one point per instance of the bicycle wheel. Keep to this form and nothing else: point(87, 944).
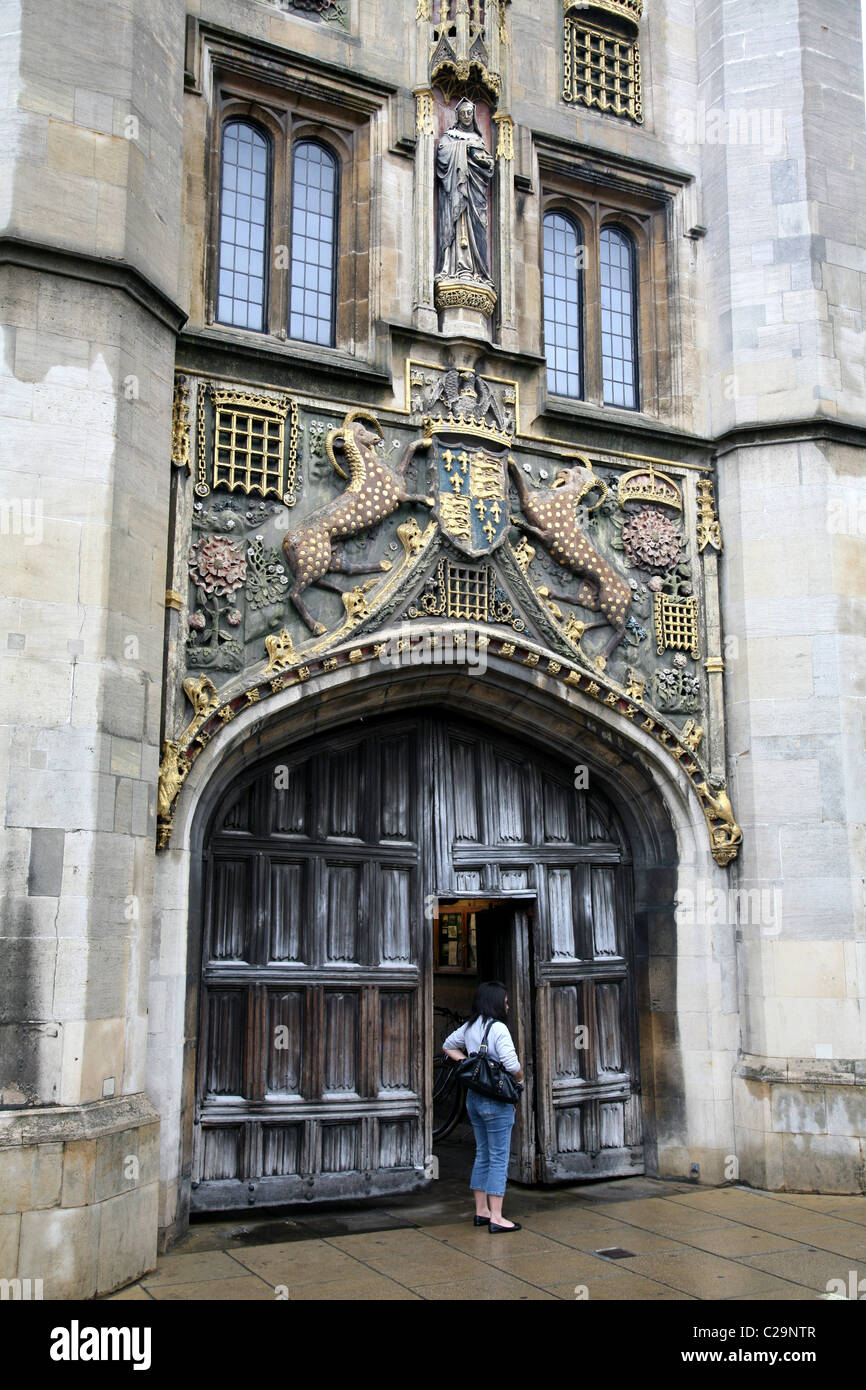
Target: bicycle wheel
point(447, 1097)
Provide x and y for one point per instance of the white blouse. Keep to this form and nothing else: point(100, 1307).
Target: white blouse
point(468, 1037)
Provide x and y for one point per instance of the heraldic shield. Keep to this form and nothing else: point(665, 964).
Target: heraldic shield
point(471, 482)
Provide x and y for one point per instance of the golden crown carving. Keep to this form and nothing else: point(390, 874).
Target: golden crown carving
point(464, 424)
point(647, 485)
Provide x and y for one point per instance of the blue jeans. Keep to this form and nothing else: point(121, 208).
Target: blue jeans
point(492, 1122)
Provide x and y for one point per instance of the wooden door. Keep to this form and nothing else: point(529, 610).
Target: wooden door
point(512, 823)
point(509, 926)
point(315, 1038)
point(313, 1046)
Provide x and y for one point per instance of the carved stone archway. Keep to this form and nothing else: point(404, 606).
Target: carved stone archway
point(676, 973)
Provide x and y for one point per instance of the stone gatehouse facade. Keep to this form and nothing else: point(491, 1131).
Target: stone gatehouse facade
point(433, 545)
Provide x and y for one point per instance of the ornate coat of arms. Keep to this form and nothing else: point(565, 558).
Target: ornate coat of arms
point(472, 492)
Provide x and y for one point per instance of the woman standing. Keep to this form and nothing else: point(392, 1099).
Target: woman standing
point(492, 1120)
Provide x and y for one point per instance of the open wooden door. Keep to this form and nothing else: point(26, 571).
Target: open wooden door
point(587, 1076)
point(510, 821)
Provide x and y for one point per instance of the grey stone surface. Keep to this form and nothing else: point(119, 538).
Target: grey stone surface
point(46, 862)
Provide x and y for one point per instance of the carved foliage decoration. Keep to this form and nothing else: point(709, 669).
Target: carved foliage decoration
point(709, 530)
point(180, 445)
point(334, 12)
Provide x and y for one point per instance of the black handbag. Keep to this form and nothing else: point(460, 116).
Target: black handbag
point(484, 1074)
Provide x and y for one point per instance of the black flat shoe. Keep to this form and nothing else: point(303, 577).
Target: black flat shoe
point(482, 1220)
point(503, 1230)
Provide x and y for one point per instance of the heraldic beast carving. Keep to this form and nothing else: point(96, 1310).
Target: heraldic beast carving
point(552, 516)
point(375, 491)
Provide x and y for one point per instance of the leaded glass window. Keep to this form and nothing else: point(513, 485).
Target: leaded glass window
point(244, 198)
point(562, 305)
point(314, 243)
point(618, 318)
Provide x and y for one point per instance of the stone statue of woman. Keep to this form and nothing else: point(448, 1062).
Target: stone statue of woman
point(464, 168)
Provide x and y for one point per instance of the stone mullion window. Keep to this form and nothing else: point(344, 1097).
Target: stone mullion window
point(314, 243)
point(619, 315)
point(562, 279)
point(344, 141)
point(619, 330)
point(245, 191)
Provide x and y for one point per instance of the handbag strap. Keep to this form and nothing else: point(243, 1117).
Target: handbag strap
point(482, 1046)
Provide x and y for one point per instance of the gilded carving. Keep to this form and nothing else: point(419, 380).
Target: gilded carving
point(725, 835)
point(411, 538)
point(461, 397)
point(175, 763)
point(676, 624)
point(505, 139)
point(691, 735)
point(459, 294)
point(635, 684)
point(709, 530)
point(355, 601)
point(180, 445)
point(601, 64)
point(280, 649)
point(550, 514)
point(375, 490)
point(424, 112)
point(649, 485)
point(249, 443)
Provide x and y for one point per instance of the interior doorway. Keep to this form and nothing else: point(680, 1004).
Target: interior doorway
point(477, 939)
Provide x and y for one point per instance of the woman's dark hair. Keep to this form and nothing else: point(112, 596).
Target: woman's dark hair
point(489, 1002)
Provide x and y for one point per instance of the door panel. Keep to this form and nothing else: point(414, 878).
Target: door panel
point(312, 1049)
point(584, 1062)
point(314, 1055)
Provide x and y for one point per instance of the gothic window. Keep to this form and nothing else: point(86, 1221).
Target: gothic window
point(618, 317)
point(243, 226)
point(562, 305)
point(601, 59)
point(314, 243)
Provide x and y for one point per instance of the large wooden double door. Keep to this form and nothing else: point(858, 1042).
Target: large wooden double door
point(323, 872)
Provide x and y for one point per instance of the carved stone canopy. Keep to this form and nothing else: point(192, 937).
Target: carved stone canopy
point(628, 10)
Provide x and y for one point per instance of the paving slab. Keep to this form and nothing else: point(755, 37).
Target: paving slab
point(684, 1242)
point(243, 1289)
point(708, 1276)
point(368, 1288)
point(626, 1288)
point(186, 1268)
point(657, 1214)
point(297, 1262)
point(484, 1287)
point(813, 1269)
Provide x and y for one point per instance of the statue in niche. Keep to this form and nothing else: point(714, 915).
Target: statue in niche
point(464, 169)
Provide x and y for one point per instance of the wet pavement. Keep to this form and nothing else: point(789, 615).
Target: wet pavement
point(625, 1239)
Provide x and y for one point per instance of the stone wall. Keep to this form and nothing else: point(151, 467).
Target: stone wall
point(90, 263)
point(752, 146)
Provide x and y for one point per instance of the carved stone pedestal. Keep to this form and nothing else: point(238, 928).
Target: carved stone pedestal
point(465, 307)
point(468, 323)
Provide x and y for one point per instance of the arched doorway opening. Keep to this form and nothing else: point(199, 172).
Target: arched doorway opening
point(340, 880)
